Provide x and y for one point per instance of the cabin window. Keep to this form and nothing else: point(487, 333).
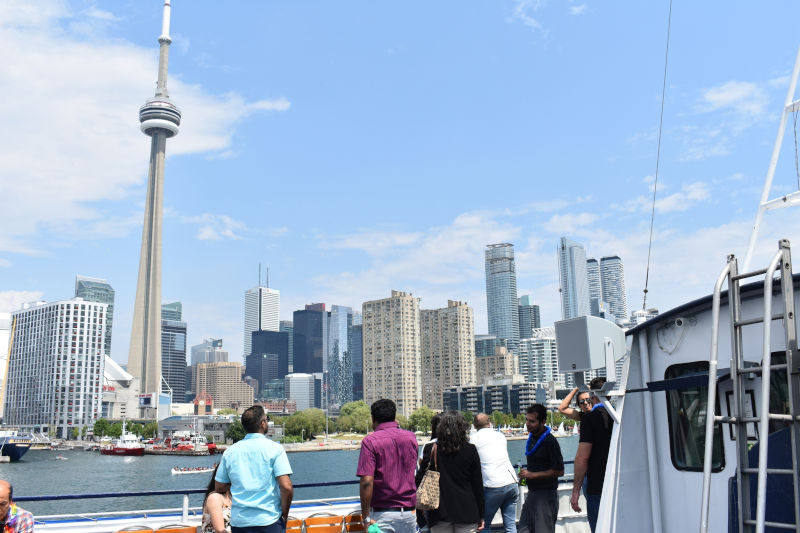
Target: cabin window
point(686, 413)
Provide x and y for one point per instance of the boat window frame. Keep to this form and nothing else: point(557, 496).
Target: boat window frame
point(696, 366)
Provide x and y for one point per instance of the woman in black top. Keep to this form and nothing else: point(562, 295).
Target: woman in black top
point(460, 483)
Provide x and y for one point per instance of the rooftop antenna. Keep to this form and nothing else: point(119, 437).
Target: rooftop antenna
point(259, 274)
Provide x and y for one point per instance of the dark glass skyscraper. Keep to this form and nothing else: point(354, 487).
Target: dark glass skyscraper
point(173, 351)
point(99, 291)
point(529, 317)
point(269, 360)
point(288, 327)
point(501, 293)
point(309, 335)
point(357, 351)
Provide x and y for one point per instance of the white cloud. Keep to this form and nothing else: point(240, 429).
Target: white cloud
point(96, 13)
point(687, 198)
point(77, 97)
point(745, 98)
point(13, 300)
point(4, 262)
point(578, 10)
point(215, 227)
point(570, 223)
point(524, 12)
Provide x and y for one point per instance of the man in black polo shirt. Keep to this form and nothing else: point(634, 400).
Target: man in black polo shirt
point(592, 455)
point(545, 466)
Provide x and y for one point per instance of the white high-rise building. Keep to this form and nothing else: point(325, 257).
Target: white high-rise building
point(612, 274)
point(5, 334)
point(391, 351)
point(262, 309)
point(538, 357)
point(448, 350)
point(573, 279)
point(299, 388)
point(56, 365)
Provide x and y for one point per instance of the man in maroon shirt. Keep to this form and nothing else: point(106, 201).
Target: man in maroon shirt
point(386, 467)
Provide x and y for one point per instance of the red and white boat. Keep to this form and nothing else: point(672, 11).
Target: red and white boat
point(127, 444)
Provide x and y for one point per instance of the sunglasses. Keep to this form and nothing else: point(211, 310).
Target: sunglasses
point(585, 400)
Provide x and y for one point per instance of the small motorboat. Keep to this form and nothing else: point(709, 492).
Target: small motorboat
point(176, 470)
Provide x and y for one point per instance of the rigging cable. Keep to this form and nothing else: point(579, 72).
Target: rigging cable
point(796, 162)
point(658, 159)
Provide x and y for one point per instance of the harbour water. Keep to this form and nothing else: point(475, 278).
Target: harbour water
point(40, 472)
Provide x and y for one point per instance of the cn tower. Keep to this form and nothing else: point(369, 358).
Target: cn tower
point(159, 119)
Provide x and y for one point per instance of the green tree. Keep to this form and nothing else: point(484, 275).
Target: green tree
point(403, 421)
point(420, 419)
point(150, 430)
point(227, 411)
point(235, 431)
point(74, 432)
point(355, 416)
point(468, 416)
point(115, 430)
point(101, 427)
point(306, 423)
point(84, 430)
point(135, 428)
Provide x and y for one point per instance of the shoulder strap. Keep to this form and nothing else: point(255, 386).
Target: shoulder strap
point(433, 457)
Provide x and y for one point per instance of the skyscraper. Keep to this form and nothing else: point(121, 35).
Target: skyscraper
point(209, 351)
point(262, 307)
point(98, 290)
point(594, 285)
point(538, 357)
point(391, 344)
point(288, 327)
point(173, 351)
point(223, 382)
point(613, 282)
point(529, 317)
point(573, 280)
point(269, 359)
point(338, 363)
point(55, 369)
point(501, 293)
point(448, 350)
point(357, 357)
point(310, 331)
point(159, 119)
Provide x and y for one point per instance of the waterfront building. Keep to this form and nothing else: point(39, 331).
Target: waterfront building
point(501, 293)
point(159, 119)
point(300, 388)
point(269, 359)
point(391, 351)
point(612, 274)
point(120, 392)
point(338, 364)
point(448, 350)
point(529, 316)
point(288, 327)
point(357, 350)
point(173, 351)
point(573, 279)
point(98, 290)
point(5, 336)
point(55, 366)
point(538, 357)
point(223, 383)
point(262, 307)
point(309, 334)
point(500, 395)
point(500, 363)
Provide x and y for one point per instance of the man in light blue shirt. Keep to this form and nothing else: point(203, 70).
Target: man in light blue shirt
point(256, 471)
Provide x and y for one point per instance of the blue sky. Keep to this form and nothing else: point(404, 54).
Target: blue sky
point(360, 147)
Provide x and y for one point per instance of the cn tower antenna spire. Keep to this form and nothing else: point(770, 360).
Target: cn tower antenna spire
point(160, 119)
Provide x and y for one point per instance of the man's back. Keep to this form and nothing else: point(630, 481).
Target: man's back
point(596, 428)
point(496, 467)
point(390, 455)
point(251, 466)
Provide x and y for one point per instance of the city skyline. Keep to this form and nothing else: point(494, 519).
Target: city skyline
point(233, 196)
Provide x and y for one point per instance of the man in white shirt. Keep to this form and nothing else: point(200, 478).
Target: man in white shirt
point(499, 479)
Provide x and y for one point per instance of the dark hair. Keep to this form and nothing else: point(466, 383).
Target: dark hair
point(435, 419)
point(211, 484)
point(383, 411)
point(252, 417)
point(541, 412)
point(597, 383)
point(451, 434)
point(578, 396)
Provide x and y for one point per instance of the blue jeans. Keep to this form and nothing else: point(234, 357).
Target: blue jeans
point(395, 521)
point(277, 527)
point(592, 509)
point(505, 499)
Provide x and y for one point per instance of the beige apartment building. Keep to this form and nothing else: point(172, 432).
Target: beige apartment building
point(391, 351)
point(501, 363)
point(448, 350)
point(223, 382)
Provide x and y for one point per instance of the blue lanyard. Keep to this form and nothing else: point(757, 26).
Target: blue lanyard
point(531, 451)
point(599, 405)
